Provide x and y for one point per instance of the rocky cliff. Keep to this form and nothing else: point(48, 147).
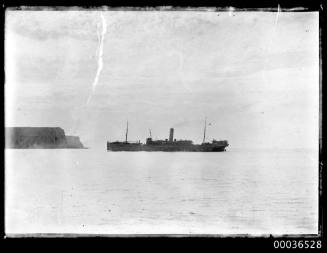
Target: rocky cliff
point(40, 137)
point(74, 142)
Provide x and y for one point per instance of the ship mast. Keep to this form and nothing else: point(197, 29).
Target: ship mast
point(126, 132)
point(150, 133)
point(205, 128)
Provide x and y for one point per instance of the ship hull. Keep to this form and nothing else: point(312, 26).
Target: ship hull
point(165, 148)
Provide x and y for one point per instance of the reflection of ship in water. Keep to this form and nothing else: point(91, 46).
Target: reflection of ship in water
point(168, 145)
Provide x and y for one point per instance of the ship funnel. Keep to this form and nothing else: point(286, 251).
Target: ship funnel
point(171, 135)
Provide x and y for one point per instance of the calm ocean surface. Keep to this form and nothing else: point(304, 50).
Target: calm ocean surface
point(94, 191)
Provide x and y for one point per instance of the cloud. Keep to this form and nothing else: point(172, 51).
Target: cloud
point(45, 25)
point(265, 62)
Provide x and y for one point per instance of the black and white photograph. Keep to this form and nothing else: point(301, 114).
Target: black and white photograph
point(161, 121)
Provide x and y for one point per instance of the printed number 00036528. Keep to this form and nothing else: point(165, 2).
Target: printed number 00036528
point(300, 244)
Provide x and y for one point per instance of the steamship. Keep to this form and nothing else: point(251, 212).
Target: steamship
point(168, 145)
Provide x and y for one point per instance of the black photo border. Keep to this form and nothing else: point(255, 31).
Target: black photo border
point(216, 241)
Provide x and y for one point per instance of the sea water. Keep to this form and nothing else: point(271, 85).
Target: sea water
point(91, 191)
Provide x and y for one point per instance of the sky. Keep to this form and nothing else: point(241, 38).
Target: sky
point(254, 75)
